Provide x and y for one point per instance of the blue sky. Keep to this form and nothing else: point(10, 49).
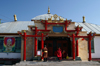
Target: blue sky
point(70, 9)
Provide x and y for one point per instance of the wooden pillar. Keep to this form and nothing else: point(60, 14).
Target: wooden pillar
point(66, 25)
point(73, 45)
point(24, 46)
point(77, 49)
point(35, 46)
point(89, 42)
point(42, 45)
point(46, 25)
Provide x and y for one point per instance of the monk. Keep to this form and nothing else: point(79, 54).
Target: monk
point(59, 54)
point(64, 54)
point(45, 53)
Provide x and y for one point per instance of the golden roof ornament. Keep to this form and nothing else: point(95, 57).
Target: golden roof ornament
point(50, 19)
point(61, 19)
point(15, 18)
point(55, 16)
point(48, 10)
point(83, 19)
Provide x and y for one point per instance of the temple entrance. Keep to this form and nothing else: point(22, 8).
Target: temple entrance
point(53, 43)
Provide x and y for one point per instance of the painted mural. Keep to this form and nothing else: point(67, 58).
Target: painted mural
point(9, 44)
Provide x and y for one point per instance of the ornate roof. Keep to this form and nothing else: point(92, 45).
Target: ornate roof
point(46, 16)
point(13, 27)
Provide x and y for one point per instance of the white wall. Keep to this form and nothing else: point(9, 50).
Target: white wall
point(96, 53)
point(10, 55)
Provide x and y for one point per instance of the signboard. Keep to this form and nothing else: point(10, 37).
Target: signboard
point(58, 29)
point(9, 44)
point(39, 53)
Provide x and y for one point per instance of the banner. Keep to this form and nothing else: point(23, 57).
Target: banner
point(9, 44)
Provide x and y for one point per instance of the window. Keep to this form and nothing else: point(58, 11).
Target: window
point(1, 44)
point(92, 45)
point(17, 44)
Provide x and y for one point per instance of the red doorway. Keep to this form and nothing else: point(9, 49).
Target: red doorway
point(53, 43)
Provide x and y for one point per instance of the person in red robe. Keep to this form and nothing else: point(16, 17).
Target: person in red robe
point(45, 54)
point(59, 54)
point(64, 54)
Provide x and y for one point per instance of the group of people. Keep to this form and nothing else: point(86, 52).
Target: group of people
point(59, 53)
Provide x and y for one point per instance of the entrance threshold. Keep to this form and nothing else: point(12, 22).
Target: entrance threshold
point(55, 59)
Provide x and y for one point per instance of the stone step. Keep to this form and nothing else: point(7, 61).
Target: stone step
point(57, 63)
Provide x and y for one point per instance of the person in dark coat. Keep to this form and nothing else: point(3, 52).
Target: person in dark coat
point(45, 53)
point(59, 54)
point(64, 54)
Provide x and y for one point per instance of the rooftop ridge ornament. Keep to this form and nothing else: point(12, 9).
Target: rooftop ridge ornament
point(55, 16)
point(48, 10)
point(61, 19)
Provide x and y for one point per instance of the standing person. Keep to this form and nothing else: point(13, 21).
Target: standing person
point(45, 53)
point(59, 54)
point(64, 54)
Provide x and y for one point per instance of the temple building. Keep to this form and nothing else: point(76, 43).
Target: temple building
point(20, 40)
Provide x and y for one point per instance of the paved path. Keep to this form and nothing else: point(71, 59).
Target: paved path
point(56, 63)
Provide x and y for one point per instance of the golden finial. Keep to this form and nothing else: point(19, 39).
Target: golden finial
point(83, 19)
point(15, 18)
point(48, 10)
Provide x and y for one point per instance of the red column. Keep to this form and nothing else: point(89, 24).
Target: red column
point(35, 46)
point(24, 46)
point(77, 52)
point(66, 25)
point(42, 45)
point(73, 46)
point(89, 42)
point(46, 25)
